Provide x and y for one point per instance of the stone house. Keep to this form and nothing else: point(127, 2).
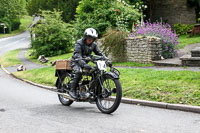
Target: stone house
point(171, 11)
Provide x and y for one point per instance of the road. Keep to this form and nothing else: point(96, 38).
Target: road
point(26, 108)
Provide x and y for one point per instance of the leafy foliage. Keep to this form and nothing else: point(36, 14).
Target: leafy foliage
point(170, 41)
point(101, 14)
point(8, 24)
point(53, 36)
point(114, 43)
point(135, 1)
point(12, 8)
point(182, 29)
point(68, 7)
point(10, 12)
point(199, 17)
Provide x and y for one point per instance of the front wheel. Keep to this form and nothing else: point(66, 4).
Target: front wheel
point(110, 95)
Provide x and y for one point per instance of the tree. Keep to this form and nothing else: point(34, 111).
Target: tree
point(68, 7)
point(11, 11)
point(12, 8)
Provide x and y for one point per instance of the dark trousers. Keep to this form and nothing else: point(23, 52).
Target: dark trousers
point(78, 75)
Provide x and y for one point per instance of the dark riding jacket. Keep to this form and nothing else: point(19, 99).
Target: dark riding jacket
point(82, 50)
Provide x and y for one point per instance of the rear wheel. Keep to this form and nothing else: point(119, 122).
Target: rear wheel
point(64, 83)
point(109, 98)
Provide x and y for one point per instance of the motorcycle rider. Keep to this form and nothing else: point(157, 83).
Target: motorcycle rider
point(83, 48)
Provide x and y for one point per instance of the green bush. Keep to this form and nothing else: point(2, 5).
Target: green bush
point(53, 36)
point(114, 43)
point(182, 29)
point(11, 25)
point(80, 26)
point(15, 24)
point(7, 22)
point(101, 14)
point(10, 13)
point(66, 6)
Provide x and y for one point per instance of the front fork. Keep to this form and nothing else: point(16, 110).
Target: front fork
point(105, 92)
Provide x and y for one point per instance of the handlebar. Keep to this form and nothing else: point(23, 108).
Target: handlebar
point(93, 58)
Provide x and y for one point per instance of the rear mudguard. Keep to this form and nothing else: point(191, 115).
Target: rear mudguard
point(59, 74)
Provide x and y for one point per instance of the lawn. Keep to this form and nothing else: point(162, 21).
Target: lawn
point(186, 40)
point(10, 58)
point(54, 58)
point(45, 76)
point(131, 64)
point(182, 87)
point(25, 22)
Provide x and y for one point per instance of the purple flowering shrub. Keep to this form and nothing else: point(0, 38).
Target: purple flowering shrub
point(169, 39)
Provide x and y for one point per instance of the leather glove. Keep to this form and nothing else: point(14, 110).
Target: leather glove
point(81, 63)
point(109, 63)
point(87, 59)
point(87, 66)
point(104, 58)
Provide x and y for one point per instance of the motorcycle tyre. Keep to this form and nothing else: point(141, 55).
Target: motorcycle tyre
point(117, 102)
point(67, 102)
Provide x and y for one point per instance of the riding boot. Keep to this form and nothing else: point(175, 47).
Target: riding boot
point(74, 84)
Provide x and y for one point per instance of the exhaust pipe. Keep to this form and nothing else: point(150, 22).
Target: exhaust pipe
point(67, 96)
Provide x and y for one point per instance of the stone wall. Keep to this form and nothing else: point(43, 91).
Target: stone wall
point(172, 11)
point(143, 49)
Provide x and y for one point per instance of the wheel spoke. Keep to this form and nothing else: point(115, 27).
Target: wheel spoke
point(64, 84)
point(106, 102)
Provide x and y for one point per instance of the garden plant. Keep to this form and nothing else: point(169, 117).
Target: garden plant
point(53, 36)
point(103, 14)
point(170, 43)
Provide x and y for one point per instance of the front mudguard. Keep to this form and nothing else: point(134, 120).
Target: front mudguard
point(111, 74)
point(106, 75)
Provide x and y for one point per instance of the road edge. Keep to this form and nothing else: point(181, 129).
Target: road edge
point(181, 107)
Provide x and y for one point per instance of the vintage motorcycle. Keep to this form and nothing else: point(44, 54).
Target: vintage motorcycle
point(100, 84)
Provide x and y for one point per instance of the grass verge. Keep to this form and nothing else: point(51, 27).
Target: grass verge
point(45, 76)
point(131, 64)
point(186, 40)
point(25, 22)
point(182, 87)
point(10, 58)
